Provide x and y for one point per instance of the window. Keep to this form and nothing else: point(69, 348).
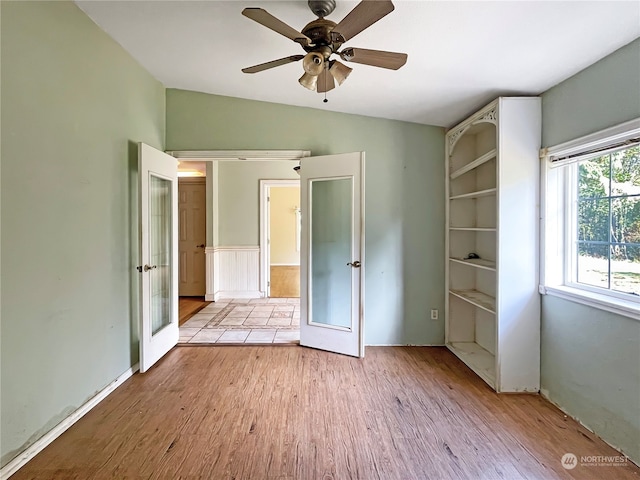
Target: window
point(591, 220)
point(606, 248)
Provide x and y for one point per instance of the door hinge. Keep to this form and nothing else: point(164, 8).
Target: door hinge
point(268, 284)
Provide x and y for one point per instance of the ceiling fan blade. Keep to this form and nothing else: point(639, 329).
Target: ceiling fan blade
point(273, 63)
point(265, 18)
point(325, 82)
point(376, 58)
point(365, 14)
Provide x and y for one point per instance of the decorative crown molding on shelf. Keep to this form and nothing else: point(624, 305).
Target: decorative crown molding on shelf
point(453, 138)
point(491, 116)
point(487, 114)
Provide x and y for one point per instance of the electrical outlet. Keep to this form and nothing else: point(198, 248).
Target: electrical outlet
point(434, 314)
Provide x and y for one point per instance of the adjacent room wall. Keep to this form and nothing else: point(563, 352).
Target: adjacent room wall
point(74, 104)
point(404, 194)
point(283, 202)
point(239, 198)
point(591, 358)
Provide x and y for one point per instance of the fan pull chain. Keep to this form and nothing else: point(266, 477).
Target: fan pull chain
point(325, 82)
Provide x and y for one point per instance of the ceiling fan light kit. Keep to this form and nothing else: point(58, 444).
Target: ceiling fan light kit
point(322, 38)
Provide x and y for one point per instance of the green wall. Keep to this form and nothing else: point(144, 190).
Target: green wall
point(73, 105)
point(605, 94)
point(404, 194)
point(591, 358)
point(239, 198)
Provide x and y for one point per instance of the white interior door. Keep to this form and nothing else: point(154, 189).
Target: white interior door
point(158, 173)
point(332, 253)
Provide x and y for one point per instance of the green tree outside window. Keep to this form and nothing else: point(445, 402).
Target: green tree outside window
point(608, 227)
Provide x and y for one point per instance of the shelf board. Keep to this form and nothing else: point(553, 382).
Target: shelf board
point(481, 361)
point(476, 262)
point(478, 194)
point(479, 299)
point(473, 229)
point(474, 164)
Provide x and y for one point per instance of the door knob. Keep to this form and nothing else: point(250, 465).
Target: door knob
point(200, 246)
point(147, 267)
point(354, 264)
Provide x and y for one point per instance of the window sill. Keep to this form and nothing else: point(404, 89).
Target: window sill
point(618, 306)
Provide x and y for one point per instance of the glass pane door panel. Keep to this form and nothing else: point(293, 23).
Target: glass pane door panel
point(331, 211)
point(160, 252)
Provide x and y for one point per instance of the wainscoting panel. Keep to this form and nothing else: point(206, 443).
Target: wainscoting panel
point(233, 272)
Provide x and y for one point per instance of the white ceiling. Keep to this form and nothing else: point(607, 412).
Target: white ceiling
point(461, 54)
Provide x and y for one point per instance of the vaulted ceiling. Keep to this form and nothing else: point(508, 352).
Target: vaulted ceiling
point(461, 54)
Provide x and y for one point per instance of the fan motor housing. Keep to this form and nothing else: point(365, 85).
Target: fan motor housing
point(319, 31)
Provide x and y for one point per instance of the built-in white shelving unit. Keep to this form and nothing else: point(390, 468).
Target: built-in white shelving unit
point(475, 262)
point(492, 315)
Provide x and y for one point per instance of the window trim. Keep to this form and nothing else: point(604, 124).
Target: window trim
point(600, 301)
point(598, 142)
point(556, 211)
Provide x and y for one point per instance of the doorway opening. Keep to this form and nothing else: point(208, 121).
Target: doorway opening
point(280, 237)
point(273, 317)
point(241, 310)
point(192, 218)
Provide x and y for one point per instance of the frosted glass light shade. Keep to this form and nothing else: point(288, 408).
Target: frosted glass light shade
point(309, 81)
point(339, 71)
point(313, 63)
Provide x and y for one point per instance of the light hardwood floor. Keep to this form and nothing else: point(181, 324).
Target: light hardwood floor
point(294, 413)
point(285, 281)
point(189, 306)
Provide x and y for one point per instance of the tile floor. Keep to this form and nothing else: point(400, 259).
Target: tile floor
point(256, 320)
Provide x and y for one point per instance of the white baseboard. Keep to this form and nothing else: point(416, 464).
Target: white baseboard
point(405, 345)
point(238, 294)
point(209, 297)
point(21, 460)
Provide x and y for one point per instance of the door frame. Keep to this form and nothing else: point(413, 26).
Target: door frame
point(265, 219)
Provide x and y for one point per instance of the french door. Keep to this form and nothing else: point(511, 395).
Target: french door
point(332, 253)
point(158, 202)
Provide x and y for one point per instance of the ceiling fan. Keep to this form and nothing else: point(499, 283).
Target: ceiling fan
point(322, 38)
